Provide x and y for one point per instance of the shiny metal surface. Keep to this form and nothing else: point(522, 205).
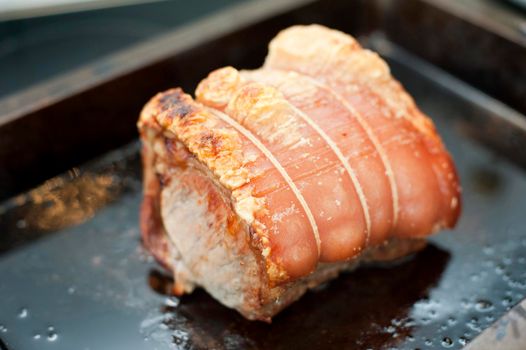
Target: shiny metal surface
point(506, 333)
point(85, 283)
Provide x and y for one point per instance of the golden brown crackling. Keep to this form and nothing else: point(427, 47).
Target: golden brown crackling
point(344, 62)
point(371, 71)
point(265, 108)
point(263, 111)
point(220, 149)
point(257, 106)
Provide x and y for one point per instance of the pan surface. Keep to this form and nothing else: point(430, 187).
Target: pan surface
point(84, 282)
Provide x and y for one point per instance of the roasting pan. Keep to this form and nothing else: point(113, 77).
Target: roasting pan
point(74, 276)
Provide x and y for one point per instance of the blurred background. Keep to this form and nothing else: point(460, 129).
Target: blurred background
point(42, 38)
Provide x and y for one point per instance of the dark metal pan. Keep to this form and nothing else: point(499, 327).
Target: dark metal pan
point(73, 274)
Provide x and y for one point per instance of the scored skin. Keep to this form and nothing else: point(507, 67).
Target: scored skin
point(287, 240)
point(341, 125)
point(214, 256)
point(305, 94)
point(307, 157)
point(426, 181)
point(241, 168)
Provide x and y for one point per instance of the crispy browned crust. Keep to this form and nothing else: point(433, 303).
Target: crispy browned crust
point(178, 132)
point(265, 298)
point(175, 115)
point(353, 66)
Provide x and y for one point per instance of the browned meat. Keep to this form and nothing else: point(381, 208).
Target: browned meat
point(274, 181)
